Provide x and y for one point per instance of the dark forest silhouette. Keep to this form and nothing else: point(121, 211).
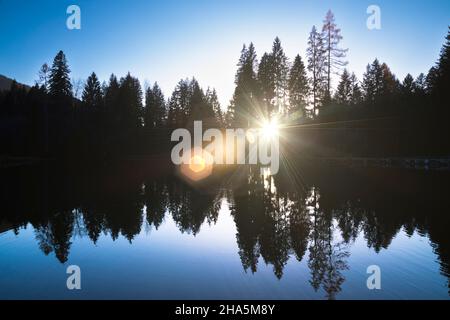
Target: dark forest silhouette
point(114, 120)
point(306, 213)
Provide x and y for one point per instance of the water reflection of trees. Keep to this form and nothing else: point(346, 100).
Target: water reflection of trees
point(275, 220)
point(275, 224)
point(190, 208)
point(54, 235)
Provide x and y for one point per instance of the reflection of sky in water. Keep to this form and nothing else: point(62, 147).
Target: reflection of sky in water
point(166, 263)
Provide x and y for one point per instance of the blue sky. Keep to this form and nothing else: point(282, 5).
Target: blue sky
point(165, 41)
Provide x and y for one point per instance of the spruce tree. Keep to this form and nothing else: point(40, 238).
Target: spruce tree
point(179, 105)
point(408, 92)
point(229, 116)
point(390, 87)
point(246, 94)
point(316, 66)
point(213, 102)
point(92, 93)
point(344, 90)
point(60, 87)
point(420, 85)
point(130, 102)
point(111, 101)
point(155, 107)
point(199, 109)
point(408, 86)
point(431, 80)
point(356, 95)
point(298, 88)
point(440, 77)
point(280, 76)
point(373, 82)
point(380, 85)
point(266, 82)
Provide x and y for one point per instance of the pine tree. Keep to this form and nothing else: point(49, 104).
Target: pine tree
point(111, 100)
point(197, 109)
point(196, 101)
point(316, 65)
point(179, 105)
point(298, 88)
point(420, 85)
point(213, 102)
point(390, 85)
point(356, 95)
point(280, 76)
point(155, 107)
point(246, 94)
point(440, 75)
point(60, 86)
point(408, 86)
point(92, 93)
point(380, 85)
point(333, 54)
point(266, 82)
point(130, 102)
point(431, 80)
point(419, 95)
point(246, 67)
point(229, 116)
point(348, 91)
point(408, 92)
point(344, 90)
point(373, 82)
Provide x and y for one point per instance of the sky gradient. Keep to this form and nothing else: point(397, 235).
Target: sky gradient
point(165, 41)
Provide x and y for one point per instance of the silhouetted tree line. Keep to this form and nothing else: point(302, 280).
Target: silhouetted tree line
point(298, 93)
point(276, 218)
point(110, 119)
point(118, 118)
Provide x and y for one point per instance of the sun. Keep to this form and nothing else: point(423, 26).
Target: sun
point(270, 129)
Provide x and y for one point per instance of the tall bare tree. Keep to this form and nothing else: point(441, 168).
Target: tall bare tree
point(334, 56)
point(44, 74)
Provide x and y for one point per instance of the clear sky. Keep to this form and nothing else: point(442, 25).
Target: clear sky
point(168, 40)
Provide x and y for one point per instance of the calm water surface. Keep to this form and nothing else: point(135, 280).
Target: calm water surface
point(143, 234)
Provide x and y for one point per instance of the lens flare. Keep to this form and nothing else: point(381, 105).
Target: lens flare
point(197, 163)
point(199, 166)
point(269, 129)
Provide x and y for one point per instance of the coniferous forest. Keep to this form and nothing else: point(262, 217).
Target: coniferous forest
point(336, 188)
point(376, 115)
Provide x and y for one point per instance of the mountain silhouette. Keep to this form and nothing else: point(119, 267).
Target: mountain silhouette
point(5, 83)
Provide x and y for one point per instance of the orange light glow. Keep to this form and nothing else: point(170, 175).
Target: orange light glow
point(197, 163)
point(199, 166)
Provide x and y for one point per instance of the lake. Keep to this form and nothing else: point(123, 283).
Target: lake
point(139, 230)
